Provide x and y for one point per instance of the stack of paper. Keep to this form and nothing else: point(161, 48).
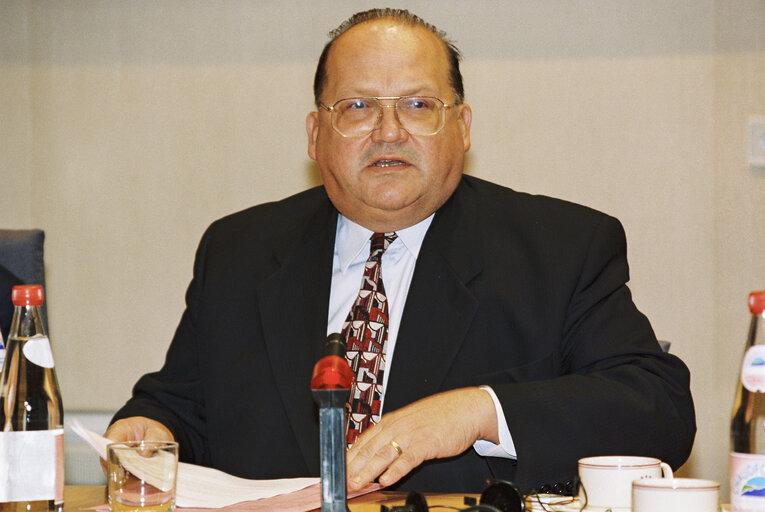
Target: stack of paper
point(200, 487)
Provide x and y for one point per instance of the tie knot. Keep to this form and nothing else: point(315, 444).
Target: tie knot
point(379, 243)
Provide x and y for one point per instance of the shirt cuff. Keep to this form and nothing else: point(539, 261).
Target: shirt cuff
point(506, 448)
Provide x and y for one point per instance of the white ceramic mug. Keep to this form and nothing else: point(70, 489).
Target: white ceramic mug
point(607, 480)
point(675, 495)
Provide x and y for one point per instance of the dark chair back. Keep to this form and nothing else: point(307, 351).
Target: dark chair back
point(21, 253)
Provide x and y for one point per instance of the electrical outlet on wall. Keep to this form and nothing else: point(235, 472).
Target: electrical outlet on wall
point(756, 141)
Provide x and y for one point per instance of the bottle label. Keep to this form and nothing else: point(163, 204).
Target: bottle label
point(747, 482)
point(32, 465)
point(753, 369)
point(37, 350)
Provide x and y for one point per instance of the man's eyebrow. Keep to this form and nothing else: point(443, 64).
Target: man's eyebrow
point(368, 93)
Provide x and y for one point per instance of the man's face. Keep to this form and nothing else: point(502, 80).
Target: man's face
point(389, 179)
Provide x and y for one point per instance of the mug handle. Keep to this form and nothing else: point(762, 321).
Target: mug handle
point(666, 470)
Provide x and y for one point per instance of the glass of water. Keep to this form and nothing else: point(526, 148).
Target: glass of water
point(141, 476)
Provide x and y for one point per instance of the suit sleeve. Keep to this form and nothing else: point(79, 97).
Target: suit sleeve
point(173, 395)
point(617, 392)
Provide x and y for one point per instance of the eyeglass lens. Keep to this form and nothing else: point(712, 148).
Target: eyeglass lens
point(359, 116)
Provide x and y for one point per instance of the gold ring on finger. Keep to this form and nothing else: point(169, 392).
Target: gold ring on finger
point(396, 447)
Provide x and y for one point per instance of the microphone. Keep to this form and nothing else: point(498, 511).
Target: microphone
point(332, 370)
point(331, 387)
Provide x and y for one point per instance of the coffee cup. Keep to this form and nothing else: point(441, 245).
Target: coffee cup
point(606, 481)
point(675, 494)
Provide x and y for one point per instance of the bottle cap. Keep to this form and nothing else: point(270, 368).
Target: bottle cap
point(27, 295)
point(757, 302)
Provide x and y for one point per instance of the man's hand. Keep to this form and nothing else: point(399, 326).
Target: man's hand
point(138, 428)
point(435, 427)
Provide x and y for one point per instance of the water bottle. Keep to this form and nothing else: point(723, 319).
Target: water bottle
point(747, 430)
point(2, 351)
point(31, 413)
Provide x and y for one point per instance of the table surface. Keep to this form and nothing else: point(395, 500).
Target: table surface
point(77, 497)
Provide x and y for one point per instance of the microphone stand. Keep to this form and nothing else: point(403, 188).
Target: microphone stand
point(330, 387)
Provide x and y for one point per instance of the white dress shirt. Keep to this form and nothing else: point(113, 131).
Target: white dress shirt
point(398, 262)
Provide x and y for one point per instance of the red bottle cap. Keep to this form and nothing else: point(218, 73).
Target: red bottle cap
point(757, 302)
point(27, 295)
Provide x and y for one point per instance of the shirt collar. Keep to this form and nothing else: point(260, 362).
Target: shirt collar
point(352, 238)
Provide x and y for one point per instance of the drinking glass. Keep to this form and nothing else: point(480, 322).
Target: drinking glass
point(141, 476)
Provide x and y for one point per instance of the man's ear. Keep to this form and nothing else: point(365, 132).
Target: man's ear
point(312, 130)
point(464, 120)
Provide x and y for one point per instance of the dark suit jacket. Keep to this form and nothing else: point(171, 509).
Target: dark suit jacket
point(523, 293)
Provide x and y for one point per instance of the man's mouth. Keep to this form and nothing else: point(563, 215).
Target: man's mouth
point(389, 163)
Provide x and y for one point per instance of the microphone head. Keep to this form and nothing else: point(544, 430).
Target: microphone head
point(335, 345)
point(332, 370)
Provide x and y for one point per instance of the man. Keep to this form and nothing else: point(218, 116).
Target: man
point(485, 286)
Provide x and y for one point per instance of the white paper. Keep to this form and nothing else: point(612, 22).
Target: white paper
point(201, 487)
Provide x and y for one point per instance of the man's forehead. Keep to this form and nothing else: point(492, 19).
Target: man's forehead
point(387, 29)
point(387, 46)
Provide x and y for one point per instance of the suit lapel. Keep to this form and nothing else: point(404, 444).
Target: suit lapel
point(294, 305)
point(439, 307)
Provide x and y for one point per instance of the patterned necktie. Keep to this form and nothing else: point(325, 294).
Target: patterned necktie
point(366, 331)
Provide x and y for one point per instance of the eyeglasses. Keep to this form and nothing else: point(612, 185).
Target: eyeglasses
point(555, 503)
point(358, 117)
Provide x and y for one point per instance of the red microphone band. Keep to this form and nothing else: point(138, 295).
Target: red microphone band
point(331, 372)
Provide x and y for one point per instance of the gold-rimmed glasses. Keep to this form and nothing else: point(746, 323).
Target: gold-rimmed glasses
point(555, 503)
point(358, 117)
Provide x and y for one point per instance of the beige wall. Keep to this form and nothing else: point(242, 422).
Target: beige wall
point(739, 204)
point(126, 127)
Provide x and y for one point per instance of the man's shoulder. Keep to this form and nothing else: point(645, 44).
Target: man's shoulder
point(503, 202)
point(283, 214)
point(274, 224)
point(545, 232)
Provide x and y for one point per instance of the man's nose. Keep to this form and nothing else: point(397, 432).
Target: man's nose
point(389, 127)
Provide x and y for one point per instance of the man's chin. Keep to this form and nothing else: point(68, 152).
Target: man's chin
point(395, 216)
point(393, 205)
